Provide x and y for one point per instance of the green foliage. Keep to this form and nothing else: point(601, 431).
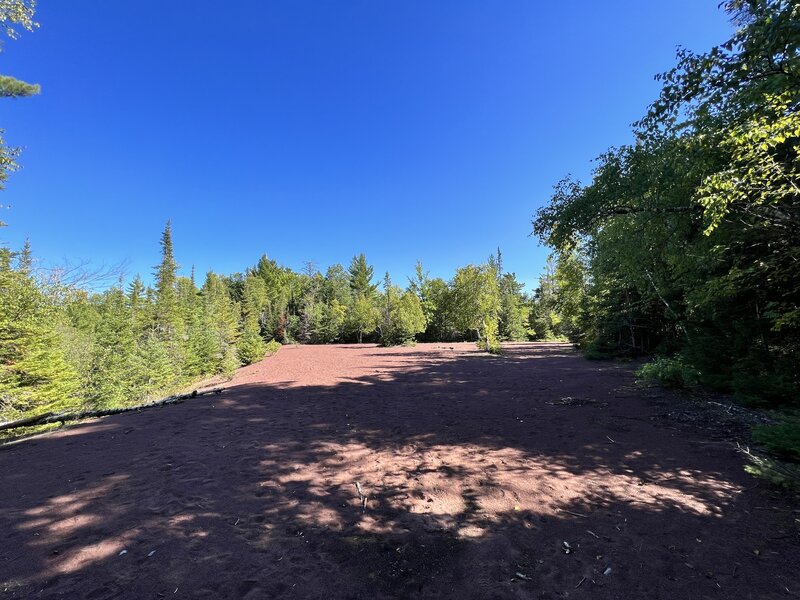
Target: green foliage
point(476, 303)
point(14, 88)
point(34, 374)
point(252, 345)
point(782, 440)
point(12, 13)
point(271, 347)
point(687, 240)
point(363, 317)
point(514, 310)
point(17, 12)
point(776, 471)
point(403, 317)
point(167, 314)
point(361, 272)
point(66, 348)
point(671, 372)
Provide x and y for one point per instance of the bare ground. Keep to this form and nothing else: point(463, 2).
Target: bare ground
point(537, 474)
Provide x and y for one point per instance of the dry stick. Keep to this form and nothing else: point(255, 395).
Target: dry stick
point(88, 414)
point(572, 513)
point(362, 497)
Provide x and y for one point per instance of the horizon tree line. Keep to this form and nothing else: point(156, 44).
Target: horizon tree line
point(63, 346)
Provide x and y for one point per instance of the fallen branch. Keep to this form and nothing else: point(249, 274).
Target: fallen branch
point(569, 512)
point(362, 497)
point(50, 417)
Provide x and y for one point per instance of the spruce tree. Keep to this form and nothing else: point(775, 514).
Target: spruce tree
point(361, 272)
point(251, 344)
point(167, 311)
point(34, 374)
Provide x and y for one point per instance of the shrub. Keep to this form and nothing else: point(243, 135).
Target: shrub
point(671, 372)
point(272, 347)
point(781, 440)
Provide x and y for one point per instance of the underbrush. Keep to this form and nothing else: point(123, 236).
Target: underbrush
point(777, 458)
point(783, 473)
point(670, 372)
point(272, 347)
point(781, 440)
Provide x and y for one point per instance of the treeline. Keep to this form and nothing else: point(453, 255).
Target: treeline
point(686, 244)
point(63, 347)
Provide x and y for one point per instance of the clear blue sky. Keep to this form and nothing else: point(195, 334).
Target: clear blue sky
point(316, 130)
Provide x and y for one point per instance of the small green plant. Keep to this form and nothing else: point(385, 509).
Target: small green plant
point(597, 351)
point(780, 472)
point(272, 347)
point(781, 440)
point(670, 372)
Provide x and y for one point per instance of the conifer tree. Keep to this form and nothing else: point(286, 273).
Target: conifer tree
point(361, 272)
point(167, 311)
point(112, 377)
point(251, 344)
point(25, 259)
point(220, 315)
point(14, 12)
point(34, 374)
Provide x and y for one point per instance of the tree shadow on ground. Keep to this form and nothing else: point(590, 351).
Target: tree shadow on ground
point(532, 475)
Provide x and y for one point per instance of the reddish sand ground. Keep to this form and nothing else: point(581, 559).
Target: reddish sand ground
point(534, 475)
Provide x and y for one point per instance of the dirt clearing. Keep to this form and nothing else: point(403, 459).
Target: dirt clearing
point(355, 471)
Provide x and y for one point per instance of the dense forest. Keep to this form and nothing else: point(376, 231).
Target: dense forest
point(685, 243)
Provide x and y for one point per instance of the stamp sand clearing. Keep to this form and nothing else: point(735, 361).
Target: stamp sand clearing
point(361, 472)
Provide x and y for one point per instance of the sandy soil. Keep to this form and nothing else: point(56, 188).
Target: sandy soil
point(534, 475)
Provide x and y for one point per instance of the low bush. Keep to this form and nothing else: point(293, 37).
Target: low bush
point(670, 372)
point(272, 347)
point(781, 440)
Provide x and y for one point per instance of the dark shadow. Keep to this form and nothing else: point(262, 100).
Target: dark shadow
point(535, 474)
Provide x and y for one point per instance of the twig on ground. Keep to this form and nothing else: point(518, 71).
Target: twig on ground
point(362, 497)
point(572, 513)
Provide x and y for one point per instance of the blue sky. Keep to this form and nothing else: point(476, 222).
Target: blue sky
point(307, 130)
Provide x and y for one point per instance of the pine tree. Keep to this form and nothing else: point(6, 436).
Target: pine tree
point(220, 316)
point(251, 344)
point(14, 12)
point(34, 374)
point(25, 259)
point(167, 311)
point(113, 378)
point(361, 272)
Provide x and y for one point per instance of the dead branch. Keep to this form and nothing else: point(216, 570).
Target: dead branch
point(50, 417)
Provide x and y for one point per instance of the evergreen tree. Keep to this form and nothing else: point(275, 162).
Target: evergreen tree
point(25, 259)
point(14, 12)
point(220, 316)
point(112, 378)
point(167, 311)
point(34, 374)
point(251, 343)
point(513, 317)
point(361, 272)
